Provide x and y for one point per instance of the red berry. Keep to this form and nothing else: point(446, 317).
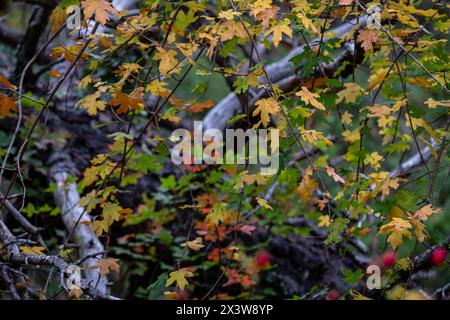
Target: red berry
point(263, 259)
point(333, 294)
point(438, 256)
point(388, 259)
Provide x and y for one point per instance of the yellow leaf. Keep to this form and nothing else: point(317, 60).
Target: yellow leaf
point(228, 14)
point(195, 244)
point(92, 104)
point(347, 118)
point(263, 203)
point(324, 221)
point(433, 104)
point(310, 98)
point(424, 213)
point(351, 136)
point(334, 175)
point(313, 136)
point(266, 107)
point(57, 18)
point(374, 160)
point(100, 8)
point(33, 250)
point(278, 30)
point(351, 92)
point(179, 277)
point(398, 228)
point(377, 78)
point(168, 63)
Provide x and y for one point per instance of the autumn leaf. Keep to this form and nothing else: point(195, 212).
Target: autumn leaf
point(266, 107)
point(168, 62)
point(54, 74)
point(100, 8)
point(368, 37)
point(57, 18)
point(195, 244)
point(228, 14)
point(324, 221)
point(397, 228)
point(334, 175)
point(432, 104)
point(424, 213)
point(106, 265)
point(5, 83)
point(248, 229)
point(313, 136)
point(278, 29)
point(351, 92)
point(36, 250)
point(7, 104)
point(377, 78)
point(310, 98)
point(92, 104)
point(347, 118)
point(179, 277)
point(125, 102)
point(218, 213)
point(263, 203)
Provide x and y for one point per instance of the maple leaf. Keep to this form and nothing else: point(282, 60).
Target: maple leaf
point(126, 70)
point(347, 118)
point(228, 14)
point(260, 6)
point(75, 292)
point(368, 37)
point(248, 229)
point(377, 78)
point(157, 88)
point(432, 104)
point(125, 102)
point(113, 212)
point(310, 98)
point(334, 175)
point(7, 104)
point(57, 18)
point(266, 15)
point(307, 22)
point(313, 136)
point(266, 107)
point(92, 104)
point(324, 221)
point(389, 184)
point(307, 186)
point(373, 159)
point(179, 277)
point(100, 8)
point(424, 213)
point(278, 30)
point(263, 203)
point(106, 265)
point(168, 63)
point(351, 92)
point(36, 250)
point(195, 244)
point(419, 227)
point(5, 83)
point(398, 228)
point(218, 214)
